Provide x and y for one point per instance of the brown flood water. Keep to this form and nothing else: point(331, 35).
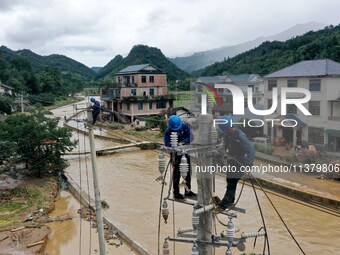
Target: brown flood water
point(66, 237)
point(127, 183)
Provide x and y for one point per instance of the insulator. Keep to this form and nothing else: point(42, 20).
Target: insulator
point(174, 139)
point(213, 135)
point(252, 234)
point(161, 162)
point(166, 249)
point(194, 250)
point(165, 211)
point(184, 167)
point(204, 209)
point(184, 230)
point(228, 252)
point(195, 220)
point(230, 231)
point(210, 102)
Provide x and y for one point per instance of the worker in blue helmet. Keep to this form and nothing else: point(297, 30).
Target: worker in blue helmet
point(95, 109)
point(241, 153)
point(185, 136)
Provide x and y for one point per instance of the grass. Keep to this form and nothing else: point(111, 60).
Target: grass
point(182, 100)
point(17, 204)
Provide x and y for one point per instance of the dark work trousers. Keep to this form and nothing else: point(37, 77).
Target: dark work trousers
point(232, 180)
point(176, 160)
point(95, 116)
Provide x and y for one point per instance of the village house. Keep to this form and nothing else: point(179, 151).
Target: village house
point(5, 89)
point(243, 81)
point(139, 91)
point(322, 79)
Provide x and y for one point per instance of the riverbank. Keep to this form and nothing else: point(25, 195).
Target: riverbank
point(24, 211)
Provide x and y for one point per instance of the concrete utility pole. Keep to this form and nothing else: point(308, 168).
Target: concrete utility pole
point(99, 213)
point(204, 184)
point(22, 102)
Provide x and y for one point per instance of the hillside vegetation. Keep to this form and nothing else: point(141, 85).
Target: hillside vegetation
point(142, 54)
point(271, 56)
point(48, 77)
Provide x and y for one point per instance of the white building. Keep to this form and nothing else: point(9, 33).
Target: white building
point(322, 79)
point(243, 81)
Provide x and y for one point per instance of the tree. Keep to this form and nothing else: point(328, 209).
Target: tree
point(39, 141)
point(6, 104)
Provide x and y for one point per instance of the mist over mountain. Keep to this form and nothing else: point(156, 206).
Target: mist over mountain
point(202, 59)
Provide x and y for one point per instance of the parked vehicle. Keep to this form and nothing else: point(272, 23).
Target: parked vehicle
point(264, 141)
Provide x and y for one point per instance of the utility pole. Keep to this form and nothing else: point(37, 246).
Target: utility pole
point(22, 102)
point(99, 213)
point(204, 185)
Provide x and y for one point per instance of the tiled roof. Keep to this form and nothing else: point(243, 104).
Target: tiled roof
point(136, 68)
point(308, 68)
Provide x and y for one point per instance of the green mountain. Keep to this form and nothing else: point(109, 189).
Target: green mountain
point(142, 54)
point(63, 63)
point(203, 59)
point(45, 77)
point(271, 56)
point(96, 69)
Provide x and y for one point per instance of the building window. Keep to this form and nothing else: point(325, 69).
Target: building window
point(121, 106)
point(315, 135)
point(161, 104)
point(152, 92)
point(132, 79)
point(143, 79)
point(151, 79)
point(144, 93)
point(117, 92)
point(150, 105)
point(140, 106)
point(128, 106)
point(133, 92)
point(269, 103)
point(292, 83)
point(314, 107)
point(272, 84)
point(314, 85)
point(291, 108)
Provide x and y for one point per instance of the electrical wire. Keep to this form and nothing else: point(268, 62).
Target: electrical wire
point(277, 212)
point(80, 191)
point(160, 207)
point(262, 218)
point(89, 196)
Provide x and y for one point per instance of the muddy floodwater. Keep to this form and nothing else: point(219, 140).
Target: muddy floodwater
point(127, 183)
point(75, 236)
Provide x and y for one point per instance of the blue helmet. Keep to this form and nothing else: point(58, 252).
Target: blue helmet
point(224, 125)
point(92, 99)
point(175, 123)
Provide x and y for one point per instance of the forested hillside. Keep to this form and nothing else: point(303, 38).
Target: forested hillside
point(142, 54)
point(31, 73)
point(271, 56)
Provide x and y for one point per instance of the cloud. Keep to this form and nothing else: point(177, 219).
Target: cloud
point(94, 31)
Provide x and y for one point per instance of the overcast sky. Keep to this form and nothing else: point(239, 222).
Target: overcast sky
point(94, 31)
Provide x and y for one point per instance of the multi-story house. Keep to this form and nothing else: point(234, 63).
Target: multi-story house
point(243, 81)
point(139, 91)
point(322, 128)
